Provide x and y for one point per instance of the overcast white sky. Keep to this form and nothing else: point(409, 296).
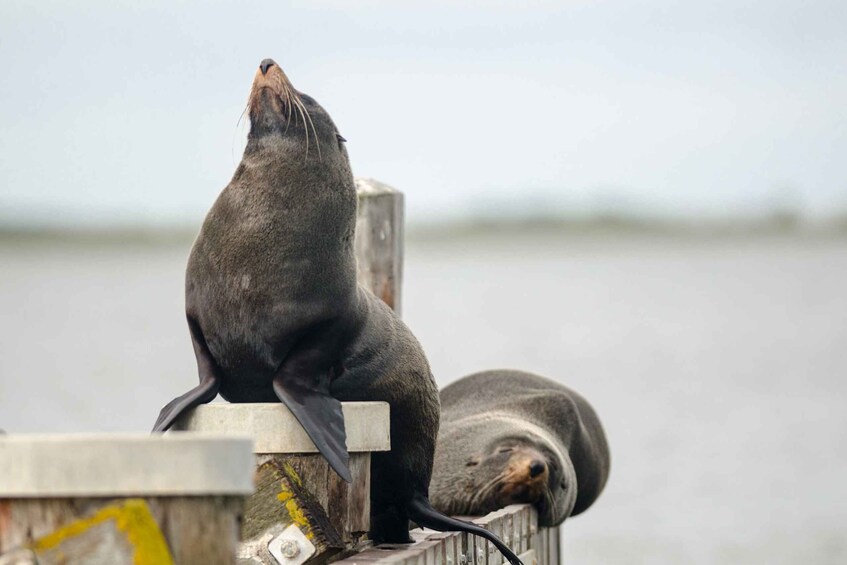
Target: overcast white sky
point(127, 111)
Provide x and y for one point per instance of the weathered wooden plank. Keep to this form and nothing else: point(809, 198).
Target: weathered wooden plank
point(123, 498)
point(485, 550)
point(542, 548)
point(202, 529)
point(529, 557)
point(379, 240)
point(303, 490)
point(525, 529)
point(553, 540)
point(534, 537)
point(502, 528)
point(155, 530)
point(466, 555)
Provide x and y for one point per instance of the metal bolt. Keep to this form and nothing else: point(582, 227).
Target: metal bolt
point(289, 549)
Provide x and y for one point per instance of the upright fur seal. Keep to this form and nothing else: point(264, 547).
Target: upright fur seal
point(275, 312)
point(510, 436)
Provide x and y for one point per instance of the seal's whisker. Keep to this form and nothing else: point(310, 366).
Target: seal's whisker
point(548, 493)
point(485, 486)
point(243, 113)
point(486, 489)
point(304, 113)
point(299, 107)
point(314, 131)
point(237, 124)
point(288, 110)
point(284, 94)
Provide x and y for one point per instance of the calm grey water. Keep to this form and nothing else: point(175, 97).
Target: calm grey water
point(717, 366)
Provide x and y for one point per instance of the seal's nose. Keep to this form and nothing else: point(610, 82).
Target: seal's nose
point(536, 468)
point(266, 64)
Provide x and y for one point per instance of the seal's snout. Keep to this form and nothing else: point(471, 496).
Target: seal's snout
point(265, 65)
point(272, 97)
point(536, 467)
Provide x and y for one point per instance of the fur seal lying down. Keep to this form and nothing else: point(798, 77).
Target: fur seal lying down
point(509, 437)
point(275, 312)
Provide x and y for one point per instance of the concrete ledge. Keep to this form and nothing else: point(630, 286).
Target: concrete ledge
point(58, 466)
point(275, 430)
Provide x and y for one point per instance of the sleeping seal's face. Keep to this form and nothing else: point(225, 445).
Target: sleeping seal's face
point(289, 119)
point(507, 468)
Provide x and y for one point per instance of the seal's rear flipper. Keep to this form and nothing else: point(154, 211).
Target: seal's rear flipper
point(422, 512)
point(320, 415)
point(201, 394)
point(206, 391)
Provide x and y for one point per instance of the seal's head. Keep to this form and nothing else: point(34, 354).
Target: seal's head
point(280, 113)
point(516, 463)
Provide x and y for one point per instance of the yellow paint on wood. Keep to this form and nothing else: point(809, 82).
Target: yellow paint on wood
point(133, 518)
point(292, 474)
point(295, 512)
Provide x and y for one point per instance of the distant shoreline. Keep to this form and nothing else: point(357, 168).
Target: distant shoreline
point(609, 226)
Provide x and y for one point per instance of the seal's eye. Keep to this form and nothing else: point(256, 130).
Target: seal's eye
point(562, 484)
point(472, 463)
point(505, 450)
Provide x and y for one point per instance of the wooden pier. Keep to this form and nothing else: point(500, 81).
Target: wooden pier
point(516, 525)
point(236, 483)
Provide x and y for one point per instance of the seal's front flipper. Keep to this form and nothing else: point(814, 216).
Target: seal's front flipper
point(320, 415)
point(206, 391)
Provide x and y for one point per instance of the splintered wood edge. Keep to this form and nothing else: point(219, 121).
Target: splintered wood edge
point(274, 428)
point(55, 466)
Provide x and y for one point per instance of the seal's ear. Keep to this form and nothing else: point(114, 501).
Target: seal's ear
point(340, 138)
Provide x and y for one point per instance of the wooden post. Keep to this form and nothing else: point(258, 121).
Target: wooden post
point(122, 499)
point(379, 240)
point(301, 510)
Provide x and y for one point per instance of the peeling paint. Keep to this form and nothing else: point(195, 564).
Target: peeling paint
point(133, 518)
point(292, 474)
point(295, 512)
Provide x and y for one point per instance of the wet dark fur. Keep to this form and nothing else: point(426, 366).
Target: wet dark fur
point(271, 291)
point(271, 283)
point(488, 417)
